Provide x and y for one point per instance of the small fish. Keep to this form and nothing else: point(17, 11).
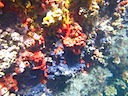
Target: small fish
point(1, 5)
point(1, 12)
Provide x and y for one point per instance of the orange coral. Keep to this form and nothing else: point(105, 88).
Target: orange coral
point(37, 58)
point(59, 48)
point(124, 2)
point(9, 82)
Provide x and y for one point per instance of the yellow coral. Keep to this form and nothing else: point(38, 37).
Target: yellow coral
point(67, 4)
point(66, 18)
point(56, 14)
point(66, 13)
point(28, 5)
point(94, 8)
point(13, 0)
point(48, 20)
point(52, 17)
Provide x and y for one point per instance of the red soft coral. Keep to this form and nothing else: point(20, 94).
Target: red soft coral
point(74, 37)
point(9, 82)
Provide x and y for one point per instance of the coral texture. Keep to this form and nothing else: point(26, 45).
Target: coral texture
point(75, 44)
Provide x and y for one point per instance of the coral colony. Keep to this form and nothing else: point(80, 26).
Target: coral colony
point(63, 48)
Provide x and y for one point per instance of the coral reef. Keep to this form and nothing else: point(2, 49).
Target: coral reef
point(75, 43)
